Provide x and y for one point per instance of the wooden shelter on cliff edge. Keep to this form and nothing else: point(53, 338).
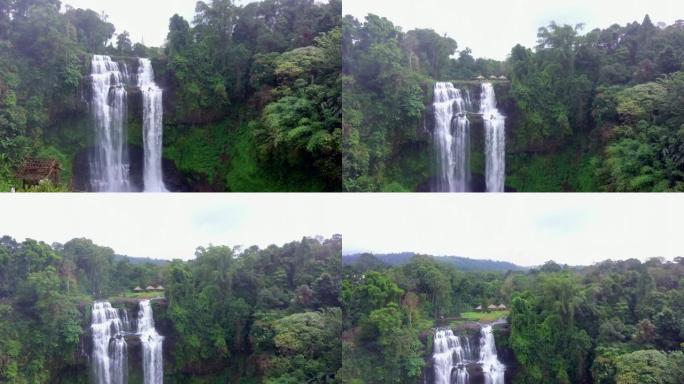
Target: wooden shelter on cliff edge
point(34, 170)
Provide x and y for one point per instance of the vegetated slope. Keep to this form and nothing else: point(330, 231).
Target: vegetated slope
point(264, 314)
point(252, 93)
point(612, 322)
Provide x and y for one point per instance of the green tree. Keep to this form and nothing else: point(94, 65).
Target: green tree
point(123, 43)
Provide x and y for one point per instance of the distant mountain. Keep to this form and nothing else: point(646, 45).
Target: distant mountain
point(140, 260)
point(463, 263)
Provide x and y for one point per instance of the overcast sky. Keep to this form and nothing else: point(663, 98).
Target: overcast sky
point(168, 226)
point(527, 229)
point(145, 20)
point(492, 28)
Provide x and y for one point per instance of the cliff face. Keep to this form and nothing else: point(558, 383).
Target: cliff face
point(74, 133)
point(507, 107)
point(174, 179)
point(79, 371)
point(475, 374)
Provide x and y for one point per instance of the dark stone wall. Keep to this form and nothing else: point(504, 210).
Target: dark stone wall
point(174, 179)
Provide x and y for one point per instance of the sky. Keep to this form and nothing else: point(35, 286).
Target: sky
point(492, 28)
point(526, 229)
point(167, 226)
point(145, 20)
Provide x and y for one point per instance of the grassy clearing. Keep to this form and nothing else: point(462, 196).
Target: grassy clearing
point(479, 317)
point(138, 295)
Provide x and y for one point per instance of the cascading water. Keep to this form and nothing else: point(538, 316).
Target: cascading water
point(109, 328)
point(109, 166)
point(453, 355)
point(492, 368)
point(450, 354)
point(109, 357)
point(152, 127)
point(153, 364)
point(495, 140)
point(452, 138)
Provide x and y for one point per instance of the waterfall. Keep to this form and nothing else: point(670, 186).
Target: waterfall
point(109, 357)
point(452, 138)
point(453, 355)
point(495, 140)
point(492, 368)
point(109, 160)
point(152, 127)
point(448, 355)
point(109, 328)
point(153, 364)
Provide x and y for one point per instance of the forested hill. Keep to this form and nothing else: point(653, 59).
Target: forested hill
point(612, 322)
point(586, 111)
point(398, 259)
point(252, 94)
point(264, 315)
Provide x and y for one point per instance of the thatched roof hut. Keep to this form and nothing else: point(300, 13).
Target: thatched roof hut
point(501, 306)
point(478, 308)
point(34, 170)
point(159, 288)
point(492, 307)
point(137, 289)
point(149, 288)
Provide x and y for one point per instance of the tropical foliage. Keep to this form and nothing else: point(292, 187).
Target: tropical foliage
point(596, 111)
point(258, 315)
point(613, 322)
point(253, 92)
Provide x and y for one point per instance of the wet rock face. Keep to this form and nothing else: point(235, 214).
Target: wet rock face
point(469, 333)
point(173, 178)
point(477, 137)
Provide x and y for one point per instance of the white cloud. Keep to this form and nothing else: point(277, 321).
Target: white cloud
point(167, 226)
point(492, 28)
point(527, 229)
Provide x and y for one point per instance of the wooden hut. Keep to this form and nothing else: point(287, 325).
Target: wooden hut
point(34, 170)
